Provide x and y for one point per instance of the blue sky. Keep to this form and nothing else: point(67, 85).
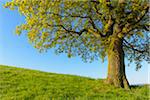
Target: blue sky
point(16, 51)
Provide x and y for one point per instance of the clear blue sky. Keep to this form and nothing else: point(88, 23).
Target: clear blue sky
point(17, 51)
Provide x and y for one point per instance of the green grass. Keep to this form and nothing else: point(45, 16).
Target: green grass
point(25, 84)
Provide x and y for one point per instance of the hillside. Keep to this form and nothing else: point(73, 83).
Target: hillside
point(25, 84)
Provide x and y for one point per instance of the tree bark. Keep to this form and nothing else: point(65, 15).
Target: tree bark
point(116, 66)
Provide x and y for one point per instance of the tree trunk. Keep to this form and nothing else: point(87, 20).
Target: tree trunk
point(116, 66)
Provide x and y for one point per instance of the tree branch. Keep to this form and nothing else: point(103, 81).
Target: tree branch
point(97, 12)
point(131, 27)
point(109, 4)
point(94, 26)
point(140, 18)
point(83, 30)
point(95, 1)
point(70, 31)
point(128, 45)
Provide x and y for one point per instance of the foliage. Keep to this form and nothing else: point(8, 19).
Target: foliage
point(24, 84)
point(86, 28)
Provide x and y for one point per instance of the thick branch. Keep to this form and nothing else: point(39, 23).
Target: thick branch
point(77, 32)
point(94, 26)
point(84, 30)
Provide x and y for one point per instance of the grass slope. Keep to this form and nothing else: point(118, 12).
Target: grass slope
point(24, 84)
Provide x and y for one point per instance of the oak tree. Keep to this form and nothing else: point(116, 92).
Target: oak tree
point(92, 29)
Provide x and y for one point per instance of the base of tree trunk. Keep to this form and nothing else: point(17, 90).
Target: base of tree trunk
point(120, 83)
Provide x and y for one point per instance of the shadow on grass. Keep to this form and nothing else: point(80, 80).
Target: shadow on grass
point(139, 86)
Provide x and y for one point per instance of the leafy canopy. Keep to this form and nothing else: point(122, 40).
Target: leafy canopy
point(86, 27)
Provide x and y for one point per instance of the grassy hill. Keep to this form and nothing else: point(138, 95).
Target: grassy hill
point(25, 84)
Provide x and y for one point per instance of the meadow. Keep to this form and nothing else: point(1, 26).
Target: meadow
point(24, 84)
